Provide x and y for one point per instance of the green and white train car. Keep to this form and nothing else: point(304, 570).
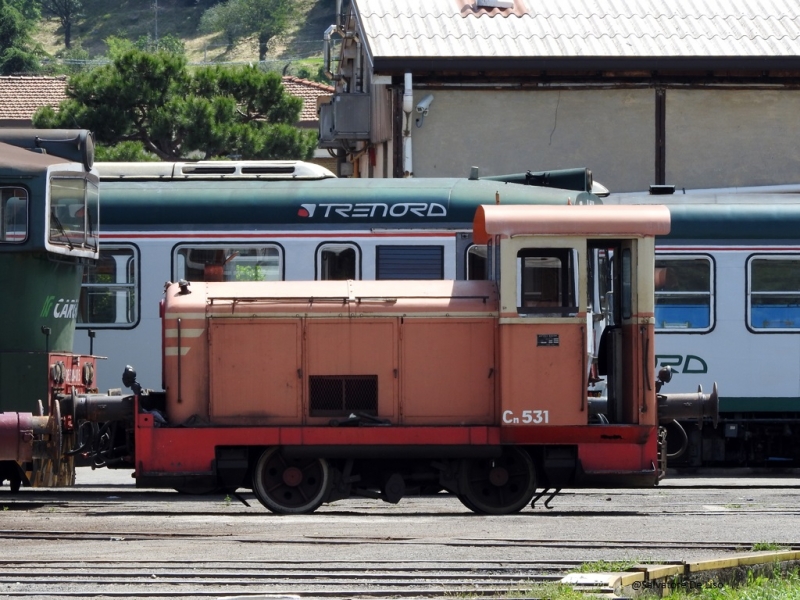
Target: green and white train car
point(728, 309)
point(238, 221)
point(734, 316)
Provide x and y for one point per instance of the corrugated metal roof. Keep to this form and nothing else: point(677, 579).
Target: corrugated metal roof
point(582, 28)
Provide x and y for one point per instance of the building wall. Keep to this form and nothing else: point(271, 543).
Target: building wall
point(721, 137)
point(610, 131)
point(732, 137)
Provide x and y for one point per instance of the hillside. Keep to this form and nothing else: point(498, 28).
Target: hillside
point(133, 19)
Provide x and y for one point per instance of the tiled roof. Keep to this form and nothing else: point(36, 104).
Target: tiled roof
point(620, 29)
point(21, 96)
point(309, 91)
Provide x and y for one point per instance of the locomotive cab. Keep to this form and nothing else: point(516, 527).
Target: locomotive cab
point(574, 295)
point(577, 309)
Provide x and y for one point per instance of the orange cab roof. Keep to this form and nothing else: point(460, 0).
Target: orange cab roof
point(592, 219)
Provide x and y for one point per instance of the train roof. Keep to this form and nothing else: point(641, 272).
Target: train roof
point(699, 197)
point(213, 170)
point(725, 216)
point(569, 220)
point(318, 204)
point(18, 161)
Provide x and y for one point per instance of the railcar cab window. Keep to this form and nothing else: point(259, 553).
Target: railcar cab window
point(73, 212)
point(546, 282)
point(13, 215)
point(236, 262)
point(108, 293)
point(338, 262)
point(684, 293)
point(773, 299)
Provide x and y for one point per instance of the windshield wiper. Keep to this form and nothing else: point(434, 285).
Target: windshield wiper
point(56, 220)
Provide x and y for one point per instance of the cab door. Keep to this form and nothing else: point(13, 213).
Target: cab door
point(625, 348)
point(543, 336)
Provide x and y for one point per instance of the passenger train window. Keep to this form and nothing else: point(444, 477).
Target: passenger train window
point(476, 262)
point(409, 262)
point(338, 262)
point(684, 293)
point(773, 299)
point(13, 215)
point(546, 282)
point(109, 296)
point(233, 262)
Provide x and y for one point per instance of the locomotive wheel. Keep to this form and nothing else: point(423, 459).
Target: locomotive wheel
point(498, 486)
point(290, 486)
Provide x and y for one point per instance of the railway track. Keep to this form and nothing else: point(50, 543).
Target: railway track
point(110, 543)
point(488, 542)
point(321, 579)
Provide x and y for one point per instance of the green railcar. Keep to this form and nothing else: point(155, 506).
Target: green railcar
point(49, 215)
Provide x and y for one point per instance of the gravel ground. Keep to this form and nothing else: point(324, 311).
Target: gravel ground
point(101, 516)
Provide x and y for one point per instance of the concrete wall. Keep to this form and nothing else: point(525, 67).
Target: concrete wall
point(612, 132)
point(725, 138)
point(721, 137)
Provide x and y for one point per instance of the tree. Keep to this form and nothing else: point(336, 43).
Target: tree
point(67, 12)
point(237, 19)
point(28, 8)
point(17, 19)
point(153, 99)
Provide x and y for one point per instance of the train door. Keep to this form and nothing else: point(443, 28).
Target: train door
point(543, 332)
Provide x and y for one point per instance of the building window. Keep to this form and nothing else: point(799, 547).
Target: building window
point(338, 262)
point(109, 296)
point(409, 262)
point(773, 299)
point(198, 262)
point(684, 293)
point(546, 282)
point(13, 215)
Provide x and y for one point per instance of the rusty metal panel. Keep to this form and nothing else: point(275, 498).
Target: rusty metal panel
point(255, 371)
point(381, 114)
point(356, 346)
point(448, 371)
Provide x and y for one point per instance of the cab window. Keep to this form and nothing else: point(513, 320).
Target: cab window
point(73, 212)
point(546, 282)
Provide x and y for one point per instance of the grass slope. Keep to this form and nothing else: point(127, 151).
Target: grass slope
point(133, 19)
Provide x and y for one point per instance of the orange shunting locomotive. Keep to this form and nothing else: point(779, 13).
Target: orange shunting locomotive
point(539, 377)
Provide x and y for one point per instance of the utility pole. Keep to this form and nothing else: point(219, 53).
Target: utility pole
point(155, 7)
